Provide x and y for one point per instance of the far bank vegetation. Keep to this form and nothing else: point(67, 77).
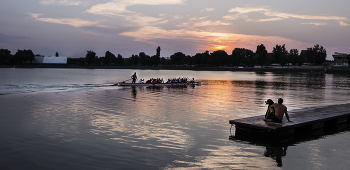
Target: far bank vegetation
point(240, 57)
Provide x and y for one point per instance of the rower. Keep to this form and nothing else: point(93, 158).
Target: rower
point(140, 81)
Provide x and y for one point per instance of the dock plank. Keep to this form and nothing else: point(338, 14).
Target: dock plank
point(300, 117)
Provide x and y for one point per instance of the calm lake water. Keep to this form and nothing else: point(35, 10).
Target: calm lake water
point(75, 119)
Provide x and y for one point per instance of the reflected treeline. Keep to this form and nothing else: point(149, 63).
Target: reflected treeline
point(340, 81)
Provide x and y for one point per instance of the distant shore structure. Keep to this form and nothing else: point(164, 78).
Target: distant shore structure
point(42, 60)
point(340, 59)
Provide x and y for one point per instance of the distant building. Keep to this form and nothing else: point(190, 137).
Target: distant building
point(340, 59)
point(42, 60)
point(55, 60)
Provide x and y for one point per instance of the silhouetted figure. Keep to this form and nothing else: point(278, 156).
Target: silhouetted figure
point(269, 110)
point(280, 110)
point(134, 77)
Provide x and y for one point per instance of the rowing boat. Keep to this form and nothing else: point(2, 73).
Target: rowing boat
point(158, 84)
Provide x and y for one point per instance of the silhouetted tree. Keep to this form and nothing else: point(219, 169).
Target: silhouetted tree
point(22, 56)
point(57, 54)
point(188, 60)
point(237, 55)
point(162, 61)
point(283, 60)
point(76, 61)
point(155, 60)
point(220, 57)
point(320, 54)
point(201, 59)
point(316, 55)
point(294, 53)
point(278, 51)
point(134, 60)
point(178, 58)
point(158, 52)
point(242, 56)
point(261, 54)
point(300, 60)
point(348, 58)
point(90, 58)
point(120, 60)
point(109, 58)
point(5, 56)
point(101, 61)
point(249, 58)
point(145, 59)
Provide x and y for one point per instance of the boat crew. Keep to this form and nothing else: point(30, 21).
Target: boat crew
point(140, 81)
point(134, 77)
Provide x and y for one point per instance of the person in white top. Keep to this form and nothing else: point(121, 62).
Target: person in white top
point(140, 81)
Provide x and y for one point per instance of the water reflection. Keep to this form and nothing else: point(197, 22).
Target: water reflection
point(134, 92)
point(276, 153)
point(170, 127)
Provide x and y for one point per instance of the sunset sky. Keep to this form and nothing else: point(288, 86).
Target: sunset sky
point(126, 27)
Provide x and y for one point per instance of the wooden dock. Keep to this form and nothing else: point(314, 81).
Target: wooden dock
point(305, 122)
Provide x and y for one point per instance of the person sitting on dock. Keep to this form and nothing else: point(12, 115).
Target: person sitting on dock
point(280, 110)
point(269, 109)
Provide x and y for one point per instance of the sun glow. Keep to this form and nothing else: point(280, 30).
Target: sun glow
point(220, 47)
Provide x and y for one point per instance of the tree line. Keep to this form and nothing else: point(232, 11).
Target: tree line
point(239, 57)
point(21, 56)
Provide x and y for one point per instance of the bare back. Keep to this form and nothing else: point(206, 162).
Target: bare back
point(280, 109)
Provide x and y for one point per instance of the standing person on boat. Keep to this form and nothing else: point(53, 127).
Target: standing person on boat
point(280, 110)
point(269, 109)
point(193, 81)
point(134, 77)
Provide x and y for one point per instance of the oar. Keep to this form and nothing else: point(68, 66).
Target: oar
point(126, 80)
point(122, 81)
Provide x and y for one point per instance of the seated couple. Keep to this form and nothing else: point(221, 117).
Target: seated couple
point(275, 111)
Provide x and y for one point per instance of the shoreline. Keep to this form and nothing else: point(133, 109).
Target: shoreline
point(305, 69)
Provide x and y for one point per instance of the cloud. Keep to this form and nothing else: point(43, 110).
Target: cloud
point(233, 17)
point(342, 23)
point(200, 22)
point(117, 7)
point(241, 12)
point(306, 17)
point(270, 19)
point(178, 17)
point(61, 2)
point(316, 23)
point(75, 22)
point(205, 40)
point(207, 9)
point(247, 10)
point(143, 20)
point(6, 38)
point(210, 23)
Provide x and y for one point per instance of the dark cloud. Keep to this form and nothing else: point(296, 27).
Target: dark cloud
point(6, 38)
